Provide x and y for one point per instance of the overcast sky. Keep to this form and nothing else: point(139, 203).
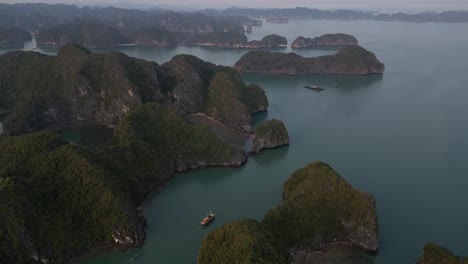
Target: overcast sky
point(322, 4)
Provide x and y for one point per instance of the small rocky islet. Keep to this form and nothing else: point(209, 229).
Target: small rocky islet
point(435, 254)
point(350, 60)
point(327, 40)
point(319, 209)
point(270, 134)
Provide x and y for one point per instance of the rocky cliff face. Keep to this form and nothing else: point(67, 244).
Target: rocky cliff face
point(270, 134)
point(268, 42)
point(352, 60)
point(230, 101)
point(320, 209)
point(153, 142)
point(434, 254)
point(78, 85)
point(327, 40)
point(243, 241)
point(58, 201)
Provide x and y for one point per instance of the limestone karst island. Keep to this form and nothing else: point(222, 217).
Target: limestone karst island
point(233, 132)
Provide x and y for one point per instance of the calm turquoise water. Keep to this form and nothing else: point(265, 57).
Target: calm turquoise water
point(401, 137)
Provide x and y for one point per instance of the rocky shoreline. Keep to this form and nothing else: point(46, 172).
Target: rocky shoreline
point(320, 210)
point(327, 40)
point(350, 60)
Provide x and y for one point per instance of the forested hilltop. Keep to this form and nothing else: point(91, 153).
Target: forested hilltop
point(319, 209)
point(59, 200)
point(77, 85)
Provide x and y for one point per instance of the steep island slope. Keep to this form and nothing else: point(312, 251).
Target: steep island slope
point(434, 254)
point(352, 60)
point(270, 134)
point(59, 200)
point(320, 208)
point(327, 40)
point(78, 85)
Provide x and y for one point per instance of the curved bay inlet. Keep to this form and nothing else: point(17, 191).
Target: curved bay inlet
point(401, 136)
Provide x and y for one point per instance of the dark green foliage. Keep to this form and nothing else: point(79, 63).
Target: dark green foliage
point(221, 39)
point(270, 134)
point(353, 60)
point(42, 90)
point(254, 98)
point(231, 101)
point(333, 40)
point(273, 40)
point(272, 128)
point(319, 206)
point(57, 200)
point(434, 254)
point(153, 141)
point(243, 241)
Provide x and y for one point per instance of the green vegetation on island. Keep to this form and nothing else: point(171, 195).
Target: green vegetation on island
point(78, 85)
point(231, 101)
point(243, 241)
point(327, 40)
point(270, 134)
point(268, 42)
point(59, 200)
point(320, 208)
point(152, 142)
point(434, 254)
point(352, 60)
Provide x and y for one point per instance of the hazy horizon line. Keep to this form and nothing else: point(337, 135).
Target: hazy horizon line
point(192, 7)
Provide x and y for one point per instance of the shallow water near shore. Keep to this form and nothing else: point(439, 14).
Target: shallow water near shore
point(401, 136)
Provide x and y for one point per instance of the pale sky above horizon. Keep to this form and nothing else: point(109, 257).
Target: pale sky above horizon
point(322, 4)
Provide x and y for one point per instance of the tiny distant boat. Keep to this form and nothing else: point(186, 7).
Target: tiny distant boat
point(314, 87)
point(207, 219)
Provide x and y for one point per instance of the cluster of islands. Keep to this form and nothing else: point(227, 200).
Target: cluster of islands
point(61, 200)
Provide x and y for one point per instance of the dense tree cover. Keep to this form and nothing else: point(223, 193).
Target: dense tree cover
point(231, 101)
point(319, 207)
point(242, 242)
point(270, 134)
point(335, 40)
point(78, 85)
point(58, 200)
point(434, 254)
point(152, 142)
point(353, 60)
